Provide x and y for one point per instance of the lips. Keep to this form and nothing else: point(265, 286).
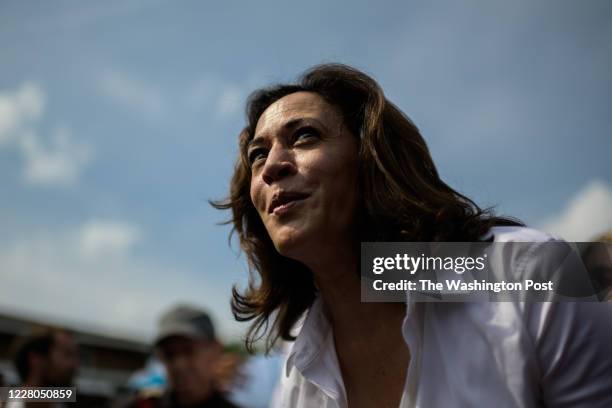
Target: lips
point(284, 200)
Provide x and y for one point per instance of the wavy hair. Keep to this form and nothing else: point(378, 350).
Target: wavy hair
point(402, 197)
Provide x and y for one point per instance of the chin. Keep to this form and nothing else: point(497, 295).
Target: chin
point(289, 242)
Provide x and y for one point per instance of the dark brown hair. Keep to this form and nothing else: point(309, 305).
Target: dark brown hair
point(402, 197)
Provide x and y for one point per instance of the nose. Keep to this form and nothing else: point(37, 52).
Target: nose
point(279, 164)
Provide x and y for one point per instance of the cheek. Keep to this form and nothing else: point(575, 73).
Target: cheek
point(341, 191)
point(256, 194)
point(339, 176)
point(205, 364)
point(344, 197)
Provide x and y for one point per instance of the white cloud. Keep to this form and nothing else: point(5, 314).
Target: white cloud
point(224, 98)
point(133, 93)
point(588, 214)
point(57, 161)
point(210, 93)
point(19, 109)
point(230, 101)
point(103, 238)
point(91, 275)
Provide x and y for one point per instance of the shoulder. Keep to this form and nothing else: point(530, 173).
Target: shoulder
point(518, 234)
point(571, 339)
point(520, 253)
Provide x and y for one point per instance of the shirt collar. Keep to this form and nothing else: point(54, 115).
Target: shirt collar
point(314, 355)
point(313, 329)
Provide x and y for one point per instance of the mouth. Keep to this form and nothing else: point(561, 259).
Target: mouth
point(285, 200)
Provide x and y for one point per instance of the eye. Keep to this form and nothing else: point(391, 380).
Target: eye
point(305, 134)
point(256, 155)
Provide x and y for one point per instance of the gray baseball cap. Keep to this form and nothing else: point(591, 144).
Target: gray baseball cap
point(185, 320)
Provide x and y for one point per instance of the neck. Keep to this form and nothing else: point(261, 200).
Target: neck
point(338, 280)
point(339, 286)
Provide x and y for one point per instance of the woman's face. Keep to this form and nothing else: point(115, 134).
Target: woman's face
point(304, 175)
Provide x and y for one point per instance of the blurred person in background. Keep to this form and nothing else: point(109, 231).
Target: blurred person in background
point(198, 372)
point(248, 383)
point(48, 357)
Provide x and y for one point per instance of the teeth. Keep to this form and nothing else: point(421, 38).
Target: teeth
point(283, 202)
point(285, 199)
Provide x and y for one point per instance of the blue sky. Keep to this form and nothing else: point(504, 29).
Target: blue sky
point(119, 120)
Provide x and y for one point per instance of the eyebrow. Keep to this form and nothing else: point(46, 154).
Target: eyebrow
point(289, 125)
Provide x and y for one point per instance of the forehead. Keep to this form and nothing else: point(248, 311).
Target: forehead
point(63, 338)
point(64, 341)
point(298, 105)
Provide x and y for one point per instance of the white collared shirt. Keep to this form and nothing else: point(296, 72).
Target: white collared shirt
point(479, 354)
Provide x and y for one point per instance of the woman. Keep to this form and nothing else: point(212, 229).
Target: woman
point(328, 163)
